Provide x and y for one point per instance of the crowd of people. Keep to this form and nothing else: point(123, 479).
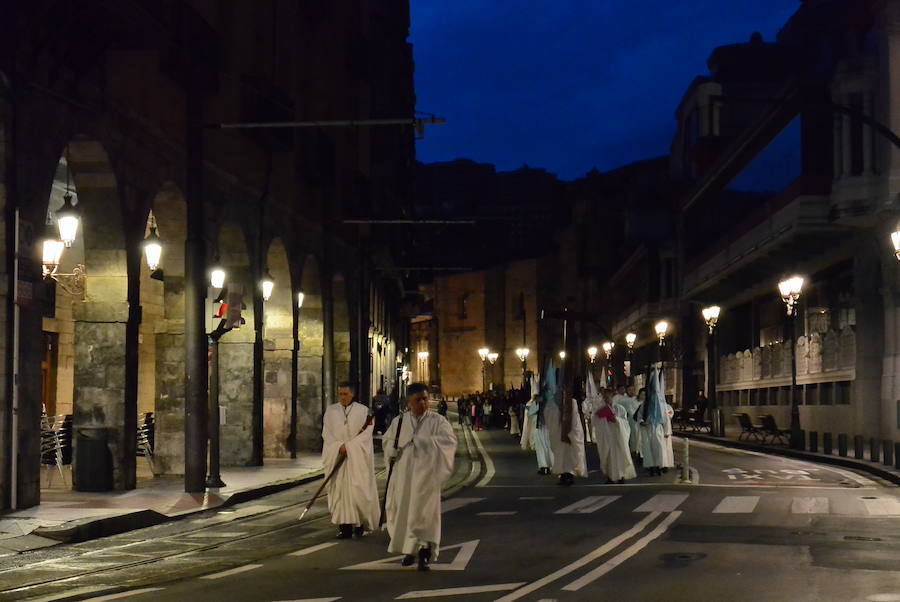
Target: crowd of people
point(487, 410)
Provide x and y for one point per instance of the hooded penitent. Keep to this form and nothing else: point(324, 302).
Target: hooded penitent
point(653, 408)
point(593, 396)
point(549, 387)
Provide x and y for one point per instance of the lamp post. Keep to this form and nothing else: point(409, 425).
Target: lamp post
point(492, 358)
point(483, 353)
point(592, 353)
point(790, 289)
point(630, 339)
point(711, 317)
point(522, 354)
point(608, 347)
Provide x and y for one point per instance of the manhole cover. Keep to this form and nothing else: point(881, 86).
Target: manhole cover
point(861, 538)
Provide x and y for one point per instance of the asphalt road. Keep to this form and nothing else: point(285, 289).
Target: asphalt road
point(748, 527)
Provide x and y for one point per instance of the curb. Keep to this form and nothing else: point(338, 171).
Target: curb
point(87, 529)
point(862, 466)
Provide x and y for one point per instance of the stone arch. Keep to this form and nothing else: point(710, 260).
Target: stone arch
point(278, 345)
point(162, 359)
point(342, 344)
point(236, 355)
point(91, 322)
point(311, 336)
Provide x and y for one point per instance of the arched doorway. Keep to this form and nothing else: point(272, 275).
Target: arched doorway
point(278, 344)
point(310, 334)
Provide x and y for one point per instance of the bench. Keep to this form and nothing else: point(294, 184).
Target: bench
point(748, 429)
point(771, 431)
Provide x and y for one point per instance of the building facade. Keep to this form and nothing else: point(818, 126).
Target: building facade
point(135, 110)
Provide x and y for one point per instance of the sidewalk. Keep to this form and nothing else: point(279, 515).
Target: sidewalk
point(883, 471)
point(69, 516)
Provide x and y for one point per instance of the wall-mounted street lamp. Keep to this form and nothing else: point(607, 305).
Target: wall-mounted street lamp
point(67, 220)
point(217, 276)
point(790, 289)
point(152, 248)
point(592, 353)
point(51, 254)
point(267, 284)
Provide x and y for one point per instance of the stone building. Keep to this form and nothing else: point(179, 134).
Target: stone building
point(119, 105)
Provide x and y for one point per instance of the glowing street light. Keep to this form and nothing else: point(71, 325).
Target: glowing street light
point(630, 339)
point(711, 316)
point(592, 353)
point(562, 355)
point(300, 297)
point(522, 353)
point(895, 240)
point(67, 219)
point(483, 353)
point(492, 357)
point(267, 284)
point(51, 256)
point(790, 289)
point(661, 328)
point(152, 249)
point(608, 347)
point(217, 277)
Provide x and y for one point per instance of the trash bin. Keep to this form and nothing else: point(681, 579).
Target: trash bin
point(93, 462)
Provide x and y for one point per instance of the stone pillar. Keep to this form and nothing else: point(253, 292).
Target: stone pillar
point(236, 365)
point(871, 311)
point(310, 333)
point(169, 407)
point(277, 374)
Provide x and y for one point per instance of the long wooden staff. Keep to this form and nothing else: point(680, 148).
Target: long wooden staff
point(382, 518)
point(337, 466)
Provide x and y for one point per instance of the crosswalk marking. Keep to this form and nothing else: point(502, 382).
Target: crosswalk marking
point(882, 506)
point(311, 549)
point(458, 502)
point(737, 504)
point(589, 504)
point(809, 505)
point(229, 572)
point(662, 502)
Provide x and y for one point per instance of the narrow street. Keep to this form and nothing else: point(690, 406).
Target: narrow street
point(754, 522)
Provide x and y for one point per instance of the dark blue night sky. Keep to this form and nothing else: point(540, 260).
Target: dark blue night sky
point(567, 85)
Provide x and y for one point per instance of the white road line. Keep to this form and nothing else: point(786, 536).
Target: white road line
point(219, 534)
point(488, 462)
point(536, 497)
point(312, 549)
point(809, 505)
point(313, 600)
point(586, 559)
point(458, 502)
point(498, 513)
point(737, 504)
point(128, 594)
point(662, 502)
point(883, 506)
point(229, 572)
point(588, 504)
point(457, 591)
point(623, 556)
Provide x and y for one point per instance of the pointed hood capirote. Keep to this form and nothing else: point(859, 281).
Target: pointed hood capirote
point(655, 398)
point(549, 388)
point(590, 389)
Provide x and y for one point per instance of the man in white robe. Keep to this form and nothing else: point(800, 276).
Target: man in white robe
point(422, 444)
point(352, 492)
point(565, 430)
point(534, 430)
point(610, 424)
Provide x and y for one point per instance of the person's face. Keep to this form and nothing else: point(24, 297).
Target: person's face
point(620, 390)
point(345, 395)
point(642, 396)
point(630, 391)
point(418, 403)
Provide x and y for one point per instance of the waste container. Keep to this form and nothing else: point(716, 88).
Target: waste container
point(93, 468)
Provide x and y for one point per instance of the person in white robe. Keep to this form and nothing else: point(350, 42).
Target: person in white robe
point(668, 455)
point(631, 404)
point(423, 453)
point(610, 424)
point(534, 429)
point(352, 492)
point(565, 430)
point(652, 415)
point(513, 410)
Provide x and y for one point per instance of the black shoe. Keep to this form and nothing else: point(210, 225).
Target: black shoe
point(359, 531)
point(408, 560)
point(346, 532)
point(665, 470)
point(621, 481)
point(424, 559)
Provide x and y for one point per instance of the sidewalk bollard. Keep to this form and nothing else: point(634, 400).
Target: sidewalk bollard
point(814, 442)
point(887, 449)
point(826, 444)
point(896, 455)
point(686, 463)
point(842, 445)
point(874, 450)
point(859, 447)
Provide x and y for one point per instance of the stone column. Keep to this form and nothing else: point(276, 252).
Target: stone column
point(310, 333)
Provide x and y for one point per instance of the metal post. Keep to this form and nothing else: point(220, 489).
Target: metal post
point(256, 458)
point(483, 377)
point(295, 367)
point(686, 462)
point(214, 480)
point(796, 435)
point(195, 402)
point(715, 413)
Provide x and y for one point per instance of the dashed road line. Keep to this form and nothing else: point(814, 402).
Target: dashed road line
point(312, 549)
point(662, 502)
point(235, 571)
point(737, 504)
point(458, 591)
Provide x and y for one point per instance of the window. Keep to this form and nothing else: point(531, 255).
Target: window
point(842, 393)
point(826, 394)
